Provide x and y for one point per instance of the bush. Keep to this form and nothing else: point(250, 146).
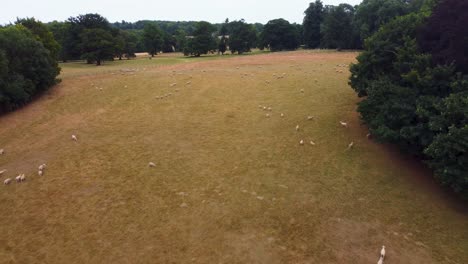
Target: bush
point(26, 67)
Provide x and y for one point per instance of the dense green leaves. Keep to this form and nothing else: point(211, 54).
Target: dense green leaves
point(413, 102)
point(26, 67)
point(242, 37)
point(279, 34)
point(153, 38)
point(202, 40)
point(312, 23)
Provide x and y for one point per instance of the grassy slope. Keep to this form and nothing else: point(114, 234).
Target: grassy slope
point(253, 194)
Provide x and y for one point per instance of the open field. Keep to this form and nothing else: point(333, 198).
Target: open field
point(230, 184)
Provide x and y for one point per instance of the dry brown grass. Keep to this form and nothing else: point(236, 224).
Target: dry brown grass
point(253, 194)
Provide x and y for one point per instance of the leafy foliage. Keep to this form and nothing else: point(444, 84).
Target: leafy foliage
point(242, 36)
point(153, 38)
point(312, 23)
point(26, 67)
point(280, 35)
point(445, 36)
point(337, 28)
point(202, 41)
point(412, 102)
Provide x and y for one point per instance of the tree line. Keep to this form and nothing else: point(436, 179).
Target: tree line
point(413, 80)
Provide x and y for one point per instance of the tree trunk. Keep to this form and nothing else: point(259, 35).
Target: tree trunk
point(98, 62)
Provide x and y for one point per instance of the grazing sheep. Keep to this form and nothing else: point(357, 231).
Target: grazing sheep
point(40, 173)
point(188, 82)
point(369, 136)
point(151, 164)
point(74, 138)
point(302, 90)
point(310, 118)
point(173, 84)
point(7, 181)
point(267, 115)
point(2, 151)
point(344, 124)
point(22, 177)
point(18, 178)
point(351, 145)
point(264, 108)
point(2, 171)
point(312, 143)
point(297, 128)
point(260, 107)
point(282, 115)
point(382, 252)
point(42, 166)
point(269, 109)
point(301, 142)
point(380, 261)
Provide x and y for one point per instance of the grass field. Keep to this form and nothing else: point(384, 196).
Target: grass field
point(230, 185)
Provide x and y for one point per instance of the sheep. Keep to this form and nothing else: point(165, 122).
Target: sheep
point(40, 173)
point(42, 166)
point(173, 84)
point(151, 165)
point(310, 118)
point(260, 107)
point(2, 171)
point(18, 178)
point(351, 145)
point(188, 82)
point(382, 252)
point(282, 115)
point(380, 261)
point(369, 136)
point(22, 177)
point(297, 128)
point(267, 115)
point(302, 90)
point(74, 137)
point(264, 108)
point(269, 109)
point(301, 142)
point(344, 124)
point(312, 143)
point(2, 151)
point(7, 181)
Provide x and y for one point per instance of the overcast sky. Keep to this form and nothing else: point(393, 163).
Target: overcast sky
point(215, 11)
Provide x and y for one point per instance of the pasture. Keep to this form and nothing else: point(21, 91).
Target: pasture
point(231, 183)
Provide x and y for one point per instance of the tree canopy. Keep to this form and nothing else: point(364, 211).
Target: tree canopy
point(280, 35)
point(202, 40)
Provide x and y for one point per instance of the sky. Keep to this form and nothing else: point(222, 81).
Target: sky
point(214, 11)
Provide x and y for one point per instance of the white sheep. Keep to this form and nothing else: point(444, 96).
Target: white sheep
point(344, 124)
point(310, 118)
point(267, 115)
point(188, 83)
point(269, 109)
point(380, 261)
point(282, 115)
point(312, 143)
point(151, 164)
point(264, 108)
point(297, 128)
point(301, 142)
point(2, 151)
point(22, 177)
point(2, 171)
point(18, 178)
point(351, 145)
point(74, 138)
point(42, 166)
point(302, 90)
point(40, 173)
point(7, 181)
point(382, 252)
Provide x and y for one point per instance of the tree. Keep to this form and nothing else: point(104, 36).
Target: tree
point(42, 34)
point(153, 38)
point(97, 45)
point(371, 14)
point(241, 37)
point(26, 67)
point(61, 30)
point(181, 40)
point(411, 100)
point(337, 28)
point(311, 24)
point(223, 41)
point(279, 35)
point(131, 40)
point(445, 36)
point(202, 41)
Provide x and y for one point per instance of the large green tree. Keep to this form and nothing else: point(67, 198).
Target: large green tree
point(27, 68)
point(97, 45)
point(242, 37)
point(153, 38)
point(311, 24)
point(279, 34)
point(202, 40)
point(42, 33)
point(337, 29)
